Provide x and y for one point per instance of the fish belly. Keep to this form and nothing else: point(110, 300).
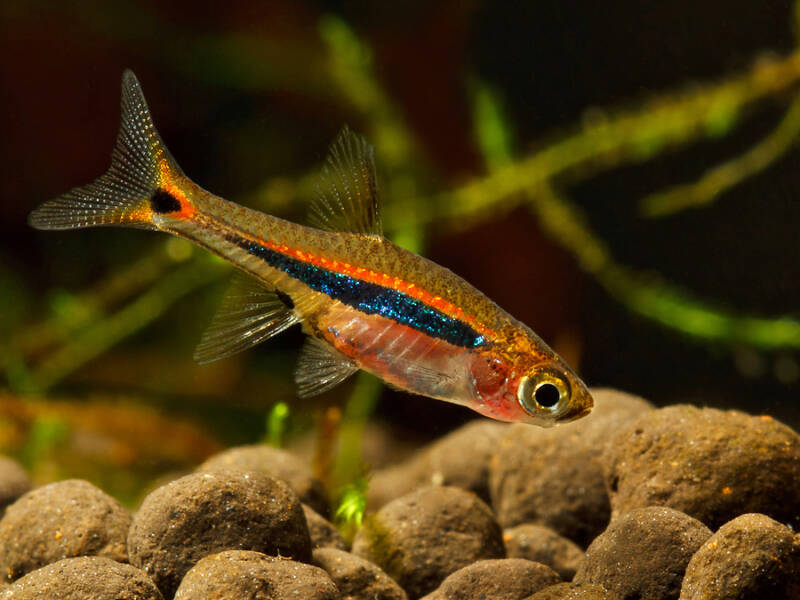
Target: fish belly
point(400, 355)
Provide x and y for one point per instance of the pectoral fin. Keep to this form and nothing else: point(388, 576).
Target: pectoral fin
point(250, 314)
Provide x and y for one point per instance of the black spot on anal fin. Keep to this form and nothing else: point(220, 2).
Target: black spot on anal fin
point(162, 202)
point(286, 299)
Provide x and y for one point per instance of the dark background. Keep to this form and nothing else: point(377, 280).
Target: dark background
point(549, 61)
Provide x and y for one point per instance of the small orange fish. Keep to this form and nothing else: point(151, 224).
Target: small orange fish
point(364, 302)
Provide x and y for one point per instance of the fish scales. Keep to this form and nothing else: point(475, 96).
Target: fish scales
point(268, 237)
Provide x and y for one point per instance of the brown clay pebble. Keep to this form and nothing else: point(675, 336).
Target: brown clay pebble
point(393, 481)
point(543, 545)
point(711, 464)
point(643, 554)
point(276, 463)
point(14, 482)
point(460, 459)
point(572, 591)
point(554, 477)
point(749, 558)
point(323, 533)
point(498, 579)
point(84, 578)
point(61, 520)
point(246, 575)
point(205, 513)
point(422, 537)
point(549, 478)
point(357, 578)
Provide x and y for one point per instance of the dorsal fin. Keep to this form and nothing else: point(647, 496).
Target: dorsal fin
point(249, 314)
point(347, 192)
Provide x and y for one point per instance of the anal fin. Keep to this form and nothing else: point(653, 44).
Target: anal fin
point(250, 314)
point(321, 367)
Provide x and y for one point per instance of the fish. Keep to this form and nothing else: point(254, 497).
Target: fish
point(364, 302)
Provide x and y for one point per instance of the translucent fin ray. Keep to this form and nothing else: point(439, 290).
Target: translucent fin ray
point(419, 376)
point(408, 358)
point(320, 367)
point(347, 192)
point(250, 314)
point(120, 196)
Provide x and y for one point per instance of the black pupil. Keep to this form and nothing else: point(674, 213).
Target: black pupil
point(547, 395)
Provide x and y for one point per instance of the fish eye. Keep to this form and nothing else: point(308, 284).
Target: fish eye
point(546, 394)
point(544, 391)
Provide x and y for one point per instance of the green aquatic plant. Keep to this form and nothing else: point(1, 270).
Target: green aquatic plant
point(493, 134)
point(337, 68)
point(714, 182)
point(276, 424)
point(360, 405)
point(646, 294)
point(614, 138)
point(352, 507)
point(46, 434)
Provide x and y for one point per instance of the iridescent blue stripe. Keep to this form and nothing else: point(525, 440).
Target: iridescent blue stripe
point(369, 298)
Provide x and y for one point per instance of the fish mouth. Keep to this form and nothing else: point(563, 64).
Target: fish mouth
point(578, 415)
point(586, 404)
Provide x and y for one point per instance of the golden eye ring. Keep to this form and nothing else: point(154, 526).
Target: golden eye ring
point(544, 391)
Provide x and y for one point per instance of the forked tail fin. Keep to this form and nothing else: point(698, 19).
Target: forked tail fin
point(141, 167)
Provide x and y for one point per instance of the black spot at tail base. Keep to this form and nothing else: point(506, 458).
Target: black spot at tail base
point(162, 202)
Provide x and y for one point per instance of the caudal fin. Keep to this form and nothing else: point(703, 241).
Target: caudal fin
point(141, 167)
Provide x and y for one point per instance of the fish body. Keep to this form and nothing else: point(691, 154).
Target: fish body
point(364, 302)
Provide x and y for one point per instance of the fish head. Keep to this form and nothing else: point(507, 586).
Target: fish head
point(550, 393)
point(536, 389)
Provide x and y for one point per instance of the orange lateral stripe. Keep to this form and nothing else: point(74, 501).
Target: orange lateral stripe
point(384, 279)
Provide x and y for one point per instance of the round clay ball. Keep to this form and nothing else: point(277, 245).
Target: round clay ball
point(276, 463)
point(14, 482)
point(543, 545)
point(549, 477)
point(711, 464)
point(750, 557)
point(643, 554)
point(357, 578)
point(323, 533)
point(554, 477)
point(396, 480)
point(205, 513)
point(572, 591)
point(612, 410)
point(422, 537)
point(498, 579)
point(85, 578)
point(459, 459)
point(61, 520)
point(248, 575)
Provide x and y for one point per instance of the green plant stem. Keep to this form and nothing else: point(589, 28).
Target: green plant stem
point(106, 332)
point(360, 405)
point(729, 174)
point(652, 298)
point(608, 142)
